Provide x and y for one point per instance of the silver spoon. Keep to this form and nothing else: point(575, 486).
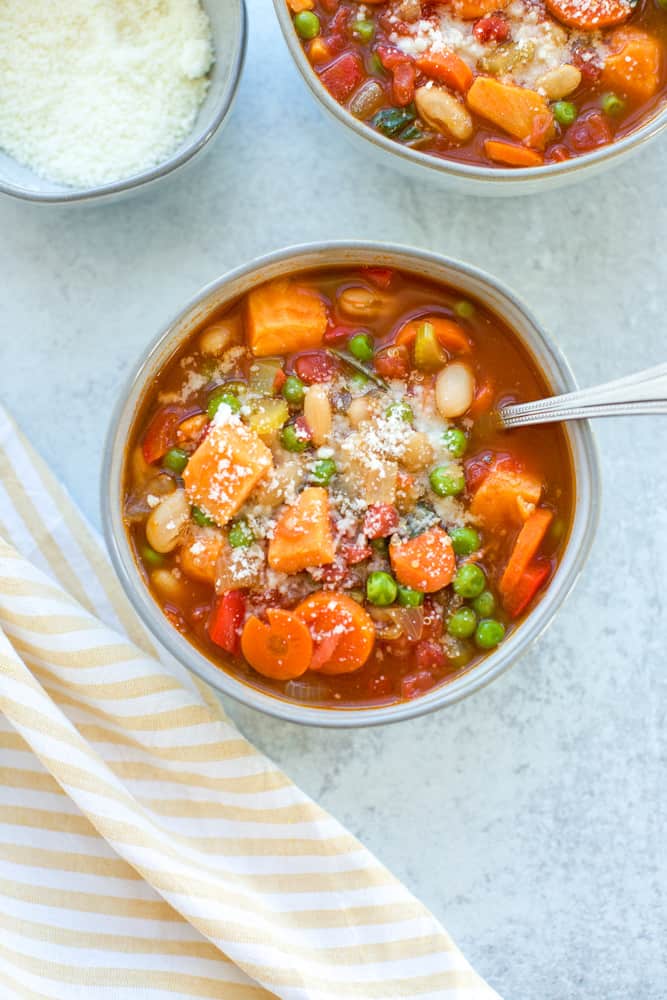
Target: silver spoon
point(643, 393)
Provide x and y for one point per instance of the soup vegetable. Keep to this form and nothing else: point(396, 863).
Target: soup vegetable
point(320, 498)
point(511, 83)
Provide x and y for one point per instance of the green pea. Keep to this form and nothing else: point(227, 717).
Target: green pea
point(323, 471)
point(201, 518)
point(464, 309)
point(380, 546)
point(469, 580)
point(307, 24)
point(361, 347)
point(291, 440)
point(612, 105)
point(363, 30)
point(409, 598)
point(176, 459)
point(219, 397)
point(293, 390)
point(402, 410)
point(484, 604)
point(445, 483)
point(151, 557)
point(455, 441)
point(462, 623)
point(358, 381)
point(489, 633)
point(565, 112)
point(381, 589)
point(240, 535)
point(390, 121)
point(465, 541)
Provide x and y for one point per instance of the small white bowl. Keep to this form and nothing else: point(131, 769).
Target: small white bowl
point(469, 281)
point(229, 29)
point(463, 177)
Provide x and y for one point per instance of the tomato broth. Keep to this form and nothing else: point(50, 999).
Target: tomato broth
point(320, 498)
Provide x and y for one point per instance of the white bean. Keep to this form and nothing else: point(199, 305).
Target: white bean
point(215, 339)
point(167, 521)
point(167, 585)
point(454, 390)
point(441, 110)
point(359, 410)
point(317, 413)
point(359, 303)
point(559, 82)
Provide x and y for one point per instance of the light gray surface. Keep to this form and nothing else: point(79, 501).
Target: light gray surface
point(532, 817)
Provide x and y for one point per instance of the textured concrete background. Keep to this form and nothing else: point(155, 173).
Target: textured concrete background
point(532, 817)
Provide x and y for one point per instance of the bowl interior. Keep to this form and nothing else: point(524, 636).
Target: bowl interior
point(228, 30)
point(471, 282)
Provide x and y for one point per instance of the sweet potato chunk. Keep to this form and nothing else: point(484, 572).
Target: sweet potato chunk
point(633, 66)
point(226, 466)
point(200, 552)
point(506, 495)
point(521, 112)
point(303, 536)
point(283, 317)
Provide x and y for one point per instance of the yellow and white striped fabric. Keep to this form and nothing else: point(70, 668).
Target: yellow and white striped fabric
point(146, 849)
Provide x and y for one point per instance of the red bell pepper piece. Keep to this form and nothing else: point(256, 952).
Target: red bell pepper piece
point(382, 277)
point(226, 622)
point(161, 433)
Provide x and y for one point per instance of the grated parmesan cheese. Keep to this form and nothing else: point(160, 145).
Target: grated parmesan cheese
point(92, 91)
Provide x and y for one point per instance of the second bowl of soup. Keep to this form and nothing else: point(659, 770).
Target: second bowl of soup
point(311, 502)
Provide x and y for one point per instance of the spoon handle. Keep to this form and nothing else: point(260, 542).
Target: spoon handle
point(642, 393)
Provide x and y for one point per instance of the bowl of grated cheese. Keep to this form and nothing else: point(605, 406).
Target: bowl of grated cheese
point(109, 98)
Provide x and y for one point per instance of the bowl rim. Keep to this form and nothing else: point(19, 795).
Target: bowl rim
point(581, 443)
point(500, 176)
point(137, 181)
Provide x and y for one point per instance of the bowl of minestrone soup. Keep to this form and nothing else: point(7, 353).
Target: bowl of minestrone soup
point(309, 500)
point(490, 96)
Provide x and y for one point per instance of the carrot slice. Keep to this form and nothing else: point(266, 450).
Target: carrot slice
point(426, 562)
point(633, 66)
point(343, 633)
point(589, 15)
point(449, 334)
point(282, 649)
point(483, 399)
point(447, 68)
point(511, 154)
point(525, 590)
point(525, 549)
point(521, 112)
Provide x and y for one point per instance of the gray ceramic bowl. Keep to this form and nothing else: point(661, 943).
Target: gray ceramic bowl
point(227, 289)
point(228, 25)
point(463, 177)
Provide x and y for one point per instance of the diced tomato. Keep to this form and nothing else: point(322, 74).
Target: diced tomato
point(161, 433)
point(483, 398)
point(478, 468)
point(279, 380)
point(492, 28)
point(391, 57)
point(302, 429)
point(316, 367)
point(430, 655)
point(226, 622)
point(343, 76)
point(353, 554)
point(589, 132)
point(382, 277)
point(412, 685)
point(529, 584)
point(588, 63)
point(557, 154)
point(392, 362)
point(403, 84)
point(381, 520)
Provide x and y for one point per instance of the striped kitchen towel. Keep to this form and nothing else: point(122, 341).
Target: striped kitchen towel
point(147, 850)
